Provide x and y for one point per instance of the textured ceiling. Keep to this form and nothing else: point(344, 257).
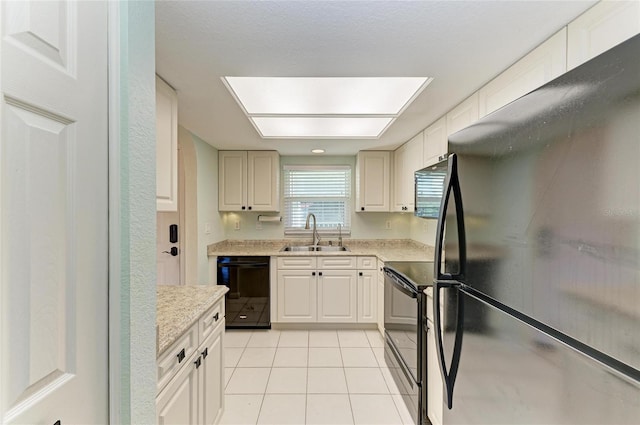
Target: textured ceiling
point(462, 44)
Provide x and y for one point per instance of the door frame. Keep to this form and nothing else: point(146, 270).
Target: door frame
point(115, 191)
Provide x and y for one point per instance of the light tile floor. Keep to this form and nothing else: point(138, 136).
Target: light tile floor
point(309, 377)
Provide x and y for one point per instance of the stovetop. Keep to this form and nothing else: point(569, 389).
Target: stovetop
point(418, 273)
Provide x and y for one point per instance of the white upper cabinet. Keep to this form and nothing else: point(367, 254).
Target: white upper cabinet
point(407, 160)
point(248, 181)
point(463, 115)
point(166, 147)
point(605, 25)
point(540, 66)
point(263, 191)
point(435, 142)
point(373, 181)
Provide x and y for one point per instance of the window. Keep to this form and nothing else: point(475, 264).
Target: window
point(324, 191)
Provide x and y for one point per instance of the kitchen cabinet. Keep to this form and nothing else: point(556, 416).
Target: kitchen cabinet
point(407, 159)
point(166, 147)
point(248, 181)
point(435, 142)
point(463, 115)
point(600, 28)
point(380, 296)
point(337, 296)
point(326, 289)
point(373, 174)
point(538, 67)
point(434, 379)
point(191, 381)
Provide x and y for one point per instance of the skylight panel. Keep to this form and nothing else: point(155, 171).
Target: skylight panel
point(319, 107)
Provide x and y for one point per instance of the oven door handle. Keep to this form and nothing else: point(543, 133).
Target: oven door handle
point(401, 286)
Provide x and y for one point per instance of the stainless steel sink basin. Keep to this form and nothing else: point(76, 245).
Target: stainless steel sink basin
point(307, 248)
point(332, 248)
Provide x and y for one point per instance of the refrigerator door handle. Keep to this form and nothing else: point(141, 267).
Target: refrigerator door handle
point(451, 184)
point(448, 376)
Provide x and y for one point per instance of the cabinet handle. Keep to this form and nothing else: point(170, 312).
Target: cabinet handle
point(243, 207)
point(442, 157)
point(320, 273)
point(361, 208)
point(249, 207)
point(313, 273)
point(57, 422)
point(205, 353)
point(360, 274)
point(198, 362)
point(216, 317)
point(181, 356)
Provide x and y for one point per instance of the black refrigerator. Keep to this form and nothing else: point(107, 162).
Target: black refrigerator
point(537, 296)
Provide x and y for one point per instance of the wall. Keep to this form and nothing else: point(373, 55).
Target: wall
point(363, 225)
point(133, 210)
point(207, 195)
point(423, 230)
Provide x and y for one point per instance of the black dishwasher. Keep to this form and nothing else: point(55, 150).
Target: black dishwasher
point(247, 302)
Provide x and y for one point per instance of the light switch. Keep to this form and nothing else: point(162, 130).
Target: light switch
point(207, 228)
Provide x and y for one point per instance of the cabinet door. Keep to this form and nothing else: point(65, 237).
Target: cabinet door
point(540, 66)
point(413, 162)
point(367, 296)
point(211, 381)
point(463, 115)
point(297, 296)
point(435, 142)
point(178, 402)
point(373, 181)
point(232, 180)
point(166, 147)
point(337, 296)
point(380, 297)
point(399, 167)
point(263, 191)
point(605, 25)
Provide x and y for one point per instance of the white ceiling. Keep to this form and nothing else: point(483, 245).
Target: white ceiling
point(462, 44)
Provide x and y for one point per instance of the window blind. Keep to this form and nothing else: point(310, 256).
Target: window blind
point(429, 191)
point(324, 191)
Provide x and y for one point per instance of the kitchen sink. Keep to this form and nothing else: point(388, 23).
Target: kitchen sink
point(307, 248)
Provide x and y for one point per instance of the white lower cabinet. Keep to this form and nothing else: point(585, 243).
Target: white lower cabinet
point(337, 296)
point(326, 290)
point(297, 297)
point(380, 296)
point(195, 392)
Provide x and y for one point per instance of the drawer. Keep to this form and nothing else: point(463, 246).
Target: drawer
point(176, 356)
point(297, 263)
point(210, 320)
point(368, 263)
point(336, 263)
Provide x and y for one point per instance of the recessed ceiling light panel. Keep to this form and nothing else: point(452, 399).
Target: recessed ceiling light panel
point(325, 96)
point(320, 127)
point(316, 107)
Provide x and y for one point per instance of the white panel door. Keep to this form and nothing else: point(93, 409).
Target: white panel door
point(166, 147)
point(232, 180)
point(263, 192)
point(373, 181)
point(600, 28)
point(54, 204)
point(463, 115)
point(367, 296)
point(337, 296)
point(435, 142)
point(297, 296)
point(211, 379)
point(177, 404)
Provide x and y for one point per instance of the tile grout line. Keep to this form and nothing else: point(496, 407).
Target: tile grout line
point(264, 394)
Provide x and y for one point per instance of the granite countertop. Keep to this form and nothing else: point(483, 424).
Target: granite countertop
point(384, 249)
point(179, 307)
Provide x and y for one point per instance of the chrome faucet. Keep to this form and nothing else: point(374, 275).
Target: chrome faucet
point(339, 234)
point(316, 236)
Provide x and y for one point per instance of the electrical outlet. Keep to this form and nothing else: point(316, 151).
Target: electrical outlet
point(236, 225)
point(258, 225)
point(207, 228)
point(387, 225)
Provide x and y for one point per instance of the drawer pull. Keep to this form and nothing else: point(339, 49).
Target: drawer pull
point(198, 362)
point(216, 317)
point(181, 356)
point(205, 353)
point(360, 274)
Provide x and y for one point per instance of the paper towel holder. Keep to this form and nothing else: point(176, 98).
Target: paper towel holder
point(269, 218)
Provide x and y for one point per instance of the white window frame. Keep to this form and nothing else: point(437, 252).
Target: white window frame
point(290, 230)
